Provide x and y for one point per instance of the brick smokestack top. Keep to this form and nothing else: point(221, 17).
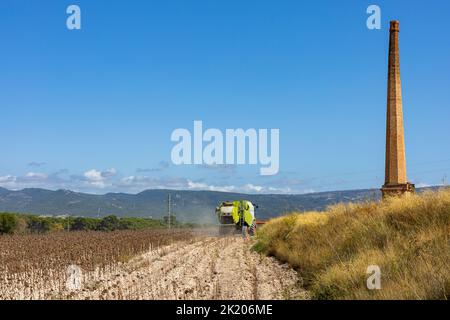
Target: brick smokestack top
point(395, 26)
point(395, 172)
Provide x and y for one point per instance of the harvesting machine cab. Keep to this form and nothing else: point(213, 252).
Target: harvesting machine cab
point(233, 215)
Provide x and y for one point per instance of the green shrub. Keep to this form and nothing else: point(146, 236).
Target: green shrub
point(8, 223)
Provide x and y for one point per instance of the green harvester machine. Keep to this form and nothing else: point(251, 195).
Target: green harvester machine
point(233, 215)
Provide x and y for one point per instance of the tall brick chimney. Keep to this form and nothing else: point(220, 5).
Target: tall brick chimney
point(395, 175)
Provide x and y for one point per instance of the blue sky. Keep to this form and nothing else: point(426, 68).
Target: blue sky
point(93, 109)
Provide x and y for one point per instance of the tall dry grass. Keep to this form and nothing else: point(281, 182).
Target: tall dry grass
point(407, 237)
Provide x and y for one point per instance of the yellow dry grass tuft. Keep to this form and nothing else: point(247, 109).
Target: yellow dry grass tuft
point(407, 237)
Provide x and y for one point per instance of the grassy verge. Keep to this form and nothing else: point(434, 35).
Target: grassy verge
point(408, 238)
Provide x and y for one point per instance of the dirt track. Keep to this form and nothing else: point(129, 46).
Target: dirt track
point(207, 268)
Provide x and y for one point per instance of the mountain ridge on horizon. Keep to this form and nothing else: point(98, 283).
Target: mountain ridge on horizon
point(187, 205)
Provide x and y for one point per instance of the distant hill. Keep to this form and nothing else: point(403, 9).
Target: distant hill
point(192, 206)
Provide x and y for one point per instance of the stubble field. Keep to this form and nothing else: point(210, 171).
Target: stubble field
point(145, 264)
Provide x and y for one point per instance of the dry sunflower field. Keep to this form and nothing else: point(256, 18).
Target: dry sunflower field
point(36, 266)
point(140, 264)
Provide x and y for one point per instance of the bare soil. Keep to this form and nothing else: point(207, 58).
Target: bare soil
point(204, 268)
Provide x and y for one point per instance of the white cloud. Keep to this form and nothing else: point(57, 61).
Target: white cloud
point(192, 185)
point(7, 179)
point(197, 185)
point(422, 185)
point(93, 181)
point(36, 175)
point(139, 183)
point(253, 188)
point(111, 172)
point(30, 179)
point(247, 188)
point(98, 178)
point(306, 191)
point(93, 175)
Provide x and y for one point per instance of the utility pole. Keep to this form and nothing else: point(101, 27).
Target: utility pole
point(444, 180)
point(168, 209)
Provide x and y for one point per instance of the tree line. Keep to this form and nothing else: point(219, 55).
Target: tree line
point(12, 223)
